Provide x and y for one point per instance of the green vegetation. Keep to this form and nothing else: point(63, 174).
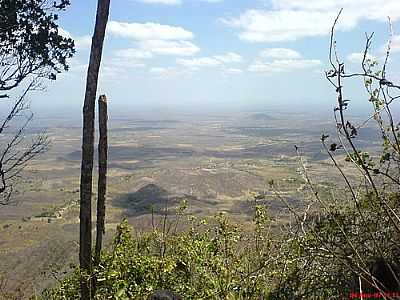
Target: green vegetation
point(217, 259)
point(203, 261)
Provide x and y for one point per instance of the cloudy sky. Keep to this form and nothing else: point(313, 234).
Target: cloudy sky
point(220, 53)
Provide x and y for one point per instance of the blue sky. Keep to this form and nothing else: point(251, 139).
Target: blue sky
point(241, 54)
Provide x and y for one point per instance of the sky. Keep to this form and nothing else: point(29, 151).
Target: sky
point(221, 54)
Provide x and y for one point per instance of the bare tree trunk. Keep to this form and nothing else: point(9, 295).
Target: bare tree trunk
point(85, 249)
point(102, 180)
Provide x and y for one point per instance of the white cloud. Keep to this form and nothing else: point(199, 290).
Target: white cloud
point(229, 57)
point(276, 26)
point(169, 72)
point(158, 70)
point(213, 61)
point(166, 2)
point(123, 60)
point(133, 53)
point(151, 39)
point(162, 72)
point(124, 64)
point(357, 57)
point(198, 62)
point(282, 60)
point(355, 9)
point(292, 20)
point(284, 65)
point(280, 53)
point(155, 39)
point(118, 68)
point(148, 31)
point(233, 71)
point(395, 46)
point(173, 2)
point(162, 47)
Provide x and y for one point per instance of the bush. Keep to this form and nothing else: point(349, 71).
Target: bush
point(219, 261)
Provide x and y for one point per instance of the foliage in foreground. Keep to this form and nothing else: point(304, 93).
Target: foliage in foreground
point(219, 261)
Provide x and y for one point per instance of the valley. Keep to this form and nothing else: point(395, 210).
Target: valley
point(214, 162)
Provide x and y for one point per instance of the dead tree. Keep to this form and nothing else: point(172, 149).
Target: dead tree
point(85, 256)
point(102, 180)
point(14, 153)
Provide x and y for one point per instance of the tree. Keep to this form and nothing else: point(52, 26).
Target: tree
point(102, 179)
point(85, 216)
point(31, 50)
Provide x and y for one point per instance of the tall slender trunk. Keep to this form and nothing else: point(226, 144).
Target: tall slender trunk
point(102, 180)
point(85, 249)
